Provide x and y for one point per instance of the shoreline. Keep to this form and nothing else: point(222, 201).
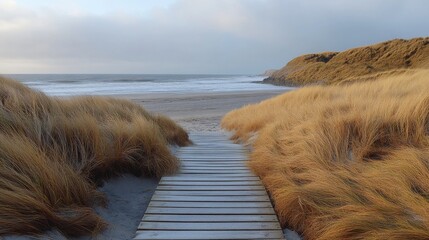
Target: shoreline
point(199, 112)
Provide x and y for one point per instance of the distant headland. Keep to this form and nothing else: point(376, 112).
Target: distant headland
point(362, 63)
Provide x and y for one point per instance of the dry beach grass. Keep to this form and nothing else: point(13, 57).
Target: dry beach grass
point(54, 152)
point(386, 58)
point(345, 162)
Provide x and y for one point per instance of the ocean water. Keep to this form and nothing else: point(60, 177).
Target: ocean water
point(116, 84)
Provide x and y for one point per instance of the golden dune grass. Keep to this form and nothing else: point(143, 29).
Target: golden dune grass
point(345, 162)
point(354, 64)
point(53, 153)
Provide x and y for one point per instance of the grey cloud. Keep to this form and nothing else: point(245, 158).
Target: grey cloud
point(200, 36)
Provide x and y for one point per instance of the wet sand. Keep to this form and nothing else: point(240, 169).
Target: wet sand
point(199, 112)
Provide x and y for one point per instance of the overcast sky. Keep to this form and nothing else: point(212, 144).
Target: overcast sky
point(192, 36)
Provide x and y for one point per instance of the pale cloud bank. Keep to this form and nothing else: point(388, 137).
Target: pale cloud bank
point(192, 36)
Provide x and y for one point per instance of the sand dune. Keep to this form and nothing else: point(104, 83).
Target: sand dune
point(362, 63)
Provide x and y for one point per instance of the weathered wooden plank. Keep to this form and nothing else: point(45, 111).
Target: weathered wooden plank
point(208, 135)
point(200, 140)
point(208, 218)
point(209, 183)
point(224, 165)
point(216, 144)
point(157, 197)
point(213, 163)
point(203, 158)
point(239, 168)
point(185, 167)
point(210, 193)
point(215, 152)
point(218, 172)
point(226, 171)
point(211, 204)
point(212, 154)
point(220, 161)
point(215, 177)
point(212, 157)
point(211, 135)
point(209, 139)
point(189, 235)
point(208, 163)
point(210, 211)
point(223, 146)
point(209, 226)
point(236, 173)
point(210, 188)
point(212, 177)
point(213, 143)
point(217, 158)
point(213, 160)
point(215, 167)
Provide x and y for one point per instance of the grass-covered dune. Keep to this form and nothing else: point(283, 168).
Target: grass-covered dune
point(345, 162)
point(361, 63)
point(54, 152)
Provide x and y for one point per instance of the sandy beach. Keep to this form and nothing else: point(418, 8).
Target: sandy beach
point(199, 112)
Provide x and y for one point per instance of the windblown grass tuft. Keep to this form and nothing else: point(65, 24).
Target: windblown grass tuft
point(345, 162)
point(54, 152)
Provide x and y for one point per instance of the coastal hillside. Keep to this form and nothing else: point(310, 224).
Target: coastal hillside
point(363, 63)
point(55, 152)
point(344, 162)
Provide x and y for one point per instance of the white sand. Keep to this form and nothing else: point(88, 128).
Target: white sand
point(129, 196)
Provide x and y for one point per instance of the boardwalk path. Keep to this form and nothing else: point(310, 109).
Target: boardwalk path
point(214, 196)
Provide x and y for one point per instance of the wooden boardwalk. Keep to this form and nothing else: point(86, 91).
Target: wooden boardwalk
point(214, 196)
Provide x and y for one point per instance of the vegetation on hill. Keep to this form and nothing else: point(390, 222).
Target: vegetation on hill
point(54, 152)
point(344, 162)
point(386, 58)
